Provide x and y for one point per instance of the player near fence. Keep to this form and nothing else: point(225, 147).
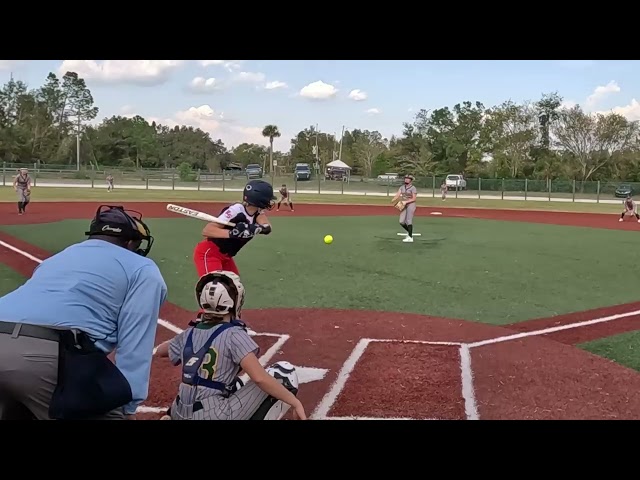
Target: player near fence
point(630, 208)
point(405, 201)
point(285, 196)
point(22, 186)
point(214, 351)
point(222, 243)
point(443, 190)
point(109, 183)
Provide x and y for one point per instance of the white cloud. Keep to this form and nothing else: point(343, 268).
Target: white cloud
point(275, 85)
point(631, 111)
point(601, 92)
point(137, 72)
point(373, 111)
point(10, 64)
point(204, 85)
point(248, 77)
point(357, 95)
point(219, 127)
point(229, 65)
point(318, 91)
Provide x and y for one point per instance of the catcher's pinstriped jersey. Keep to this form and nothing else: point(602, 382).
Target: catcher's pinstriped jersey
point(227, 350)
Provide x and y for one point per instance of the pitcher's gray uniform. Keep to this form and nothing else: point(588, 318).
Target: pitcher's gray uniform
point(406, 215)
point(221, 364)
point(22, 184)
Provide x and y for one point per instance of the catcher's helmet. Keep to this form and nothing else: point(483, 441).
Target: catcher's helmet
point(220, 293)
point(259, 194)
point(115, 221)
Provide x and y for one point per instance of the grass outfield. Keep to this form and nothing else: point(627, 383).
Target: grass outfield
point(623, 349)
point(479, 270)
point(9, 280)
point(54, 194)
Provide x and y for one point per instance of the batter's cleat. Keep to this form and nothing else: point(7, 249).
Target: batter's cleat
point(408, 239)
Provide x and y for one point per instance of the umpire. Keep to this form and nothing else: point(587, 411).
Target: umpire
point(88, 300)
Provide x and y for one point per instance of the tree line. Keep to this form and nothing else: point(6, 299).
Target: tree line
point(533, 139)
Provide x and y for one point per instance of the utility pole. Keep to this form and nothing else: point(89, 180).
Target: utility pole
point(78, 146)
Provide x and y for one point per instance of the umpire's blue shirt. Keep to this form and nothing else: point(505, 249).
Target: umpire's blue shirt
point(109, 292)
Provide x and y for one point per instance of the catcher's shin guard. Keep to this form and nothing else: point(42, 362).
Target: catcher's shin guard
point(272, 408)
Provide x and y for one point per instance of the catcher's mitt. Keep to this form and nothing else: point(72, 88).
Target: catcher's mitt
point(400, 205)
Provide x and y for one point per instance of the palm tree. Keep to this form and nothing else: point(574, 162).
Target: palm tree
point(272, 132)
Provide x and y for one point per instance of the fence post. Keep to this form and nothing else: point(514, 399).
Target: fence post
point(35, 176)
point(574, 190)
point(549, 187)
point(4, 174)
point(479, 186)
point(433, 185)
point(342, 187)
point(93, 176)
point(526, 188)
point(598, 193)
point(388, 187)
point(199, 173)
point(502, 188)
point(295, 183)
point(146, 182)
point(173, 180)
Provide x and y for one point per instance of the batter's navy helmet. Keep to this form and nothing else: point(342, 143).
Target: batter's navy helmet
point(259, 194)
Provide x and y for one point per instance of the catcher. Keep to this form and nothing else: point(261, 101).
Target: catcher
point(405, 202)
point(222, 243)
point(630, 208)
point(213, 352)
point(285, 197)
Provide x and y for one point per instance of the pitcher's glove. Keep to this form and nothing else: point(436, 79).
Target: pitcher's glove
point(400, 205)
point(245, 231)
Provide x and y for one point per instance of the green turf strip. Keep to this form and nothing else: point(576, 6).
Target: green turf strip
point(623, 349)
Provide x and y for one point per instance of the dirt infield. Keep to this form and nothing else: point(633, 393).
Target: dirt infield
point(53, 212)
point(367, 364)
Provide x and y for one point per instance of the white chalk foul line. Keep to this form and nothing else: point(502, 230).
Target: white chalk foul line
point(468, 391)
point(544, 331)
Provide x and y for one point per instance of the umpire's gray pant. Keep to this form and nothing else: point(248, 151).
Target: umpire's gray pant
point(29, 373)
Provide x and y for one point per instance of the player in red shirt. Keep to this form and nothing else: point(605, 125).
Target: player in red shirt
point(222, 243)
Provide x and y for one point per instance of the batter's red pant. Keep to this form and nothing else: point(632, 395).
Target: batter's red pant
point(207, 258)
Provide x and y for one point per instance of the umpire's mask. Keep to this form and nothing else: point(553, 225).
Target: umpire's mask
point(115, 221)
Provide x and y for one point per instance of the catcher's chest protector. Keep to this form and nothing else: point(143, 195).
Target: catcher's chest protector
point(193, 360)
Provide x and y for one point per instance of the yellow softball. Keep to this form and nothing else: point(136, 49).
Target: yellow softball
point(328, 239)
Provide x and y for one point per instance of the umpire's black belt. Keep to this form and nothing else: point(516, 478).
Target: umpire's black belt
point(26, 330)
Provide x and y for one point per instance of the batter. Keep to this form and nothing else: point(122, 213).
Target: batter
point(22, 186)
point(213, 352)
point(408, 194)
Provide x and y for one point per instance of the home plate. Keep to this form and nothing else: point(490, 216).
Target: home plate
point(405, 234)
point(436, 213)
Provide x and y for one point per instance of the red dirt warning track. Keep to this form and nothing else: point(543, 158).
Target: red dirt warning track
point(52, 212)
point(540, 376)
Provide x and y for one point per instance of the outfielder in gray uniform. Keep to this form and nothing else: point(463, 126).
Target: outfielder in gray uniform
point(212, 353)
point(408, 193)
point(22, 186)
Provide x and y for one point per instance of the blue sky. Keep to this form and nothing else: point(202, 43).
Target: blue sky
point(245, 95)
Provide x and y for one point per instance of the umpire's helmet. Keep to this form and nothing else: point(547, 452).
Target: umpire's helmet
point(115, 221)
point(259, 194)
point(220, 293)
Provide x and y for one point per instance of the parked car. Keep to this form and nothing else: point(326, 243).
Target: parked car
point(254, 171)
point(623, 190)
point(389, 179)
point(455, 182)
point(302, 172)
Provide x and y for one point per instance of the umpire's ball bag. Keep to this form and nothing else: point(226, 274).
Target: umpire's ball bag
point(89, 384)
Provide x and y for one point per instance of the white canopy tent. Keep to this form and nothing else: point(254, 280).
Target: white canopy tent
point(338, 164)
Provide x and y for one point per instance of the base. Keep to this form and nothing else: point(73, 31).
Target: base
point(405, 234)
